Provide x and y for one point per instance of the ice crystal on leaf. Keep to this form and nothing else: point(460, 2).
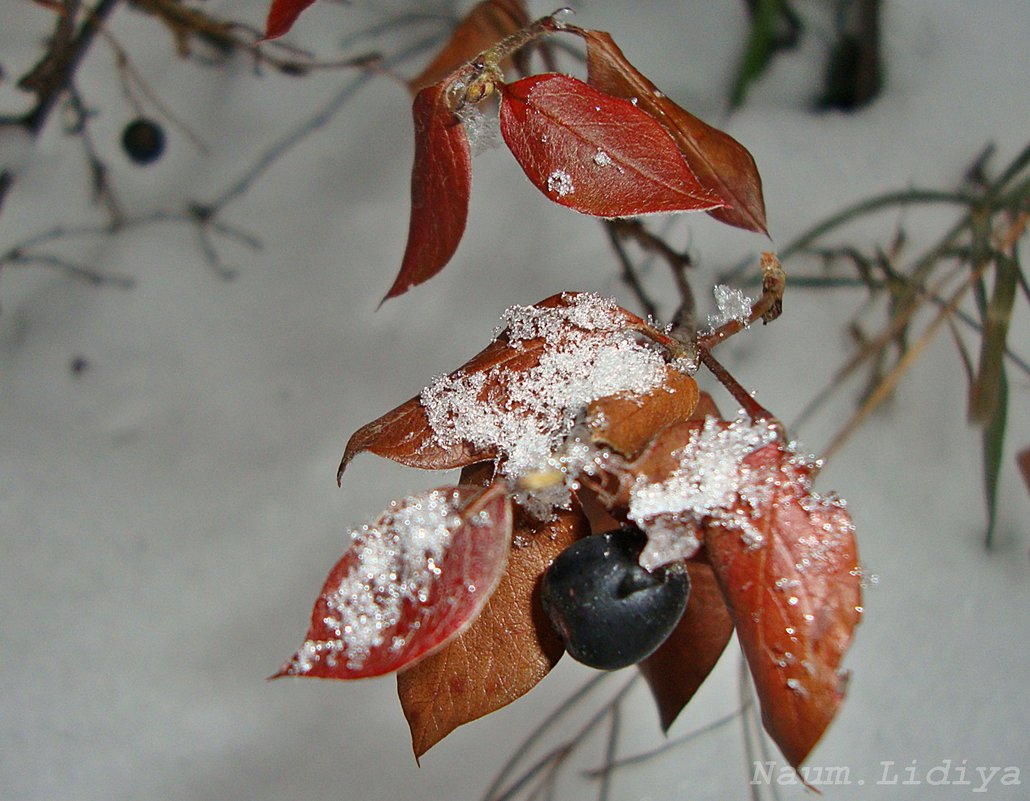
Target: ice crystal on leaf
point(483, 130)
point(586, 355)
point(560, 183)
point(710, 476)
point(730, 304)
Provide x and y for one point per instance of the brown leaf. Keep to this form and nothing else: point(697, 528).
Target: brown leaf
point(677, 669)
point(441, 182)
point(627, 424)
point(656, 461)
point(486, 24)
point(503, 654)
point(718, 160)
point(405, 434)
point(791, 580)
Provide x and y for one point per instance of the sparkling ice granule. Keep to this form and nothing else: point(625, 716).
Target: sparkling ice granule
point(560, 183)
point(730, 304)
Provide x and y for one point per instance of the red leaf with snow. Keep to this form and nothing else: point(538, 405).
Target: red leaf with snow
point(281, 16)
point(788, 567)
point(718, 160)
point(479, 399)
point(441, 182)
point(411, 581)
point(594, 153)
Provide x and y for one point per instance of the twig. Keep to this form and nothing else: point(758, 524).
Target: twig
point(629, 274)
point(79, 271)
point(654, 753)
point(561, 752)
point(751, 407)
point(767, 308)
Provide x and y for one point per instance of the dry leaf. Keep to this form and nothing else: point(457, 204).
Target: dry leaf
point(791, 579)
point(719, 161)
point(627, 424)
point(503, 654)
point(678, 668)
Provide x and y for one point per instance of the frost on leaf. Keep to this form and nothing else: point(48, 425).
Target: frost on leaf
point(787, 563)
point(410, 582)
point(576, 349)
point(719, 161)
point(561, 131)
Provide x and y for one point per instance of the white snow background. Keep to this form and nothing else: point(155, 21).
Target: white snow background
point(167, 515)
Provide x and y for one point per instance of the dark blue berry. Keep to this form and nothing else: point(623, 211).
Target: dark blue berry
point(144, 141)
point(609, 611)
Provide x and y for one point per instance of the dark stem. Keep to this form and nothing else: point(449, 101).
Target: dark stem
point(751, 407)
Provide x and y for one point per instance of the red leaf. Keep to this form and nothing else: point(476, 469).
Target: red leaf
point(788, 566)
point(281, 16)
point(441, 181)
point(678, 668)
point(410, 583)
point(595, 153)
point(719, 161)
point(504, 654)
point(406, 434)
point(486, 24)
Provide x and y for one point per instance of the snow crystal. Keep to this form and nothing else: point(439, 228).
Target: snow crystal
point(602, 159)
point(397, 560)
point(483, 131)
point(706, 483)
point(526, 416)
point(560, 183)
point(730, 304)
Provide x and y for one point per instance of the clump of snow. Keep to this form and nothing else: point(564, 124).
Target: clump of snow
point(527, 415)
point(482, 130)
point(560, 183)
point(602, 159)
point(707, 483)
point(396, 559)
point(730, 304)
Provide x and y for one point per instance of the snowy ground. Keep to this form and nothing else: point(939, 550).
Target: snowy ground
point(168, 513)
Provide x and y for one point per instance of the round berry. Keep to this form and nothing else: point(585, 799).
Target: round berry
point(143, 141)
point(609, 611)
